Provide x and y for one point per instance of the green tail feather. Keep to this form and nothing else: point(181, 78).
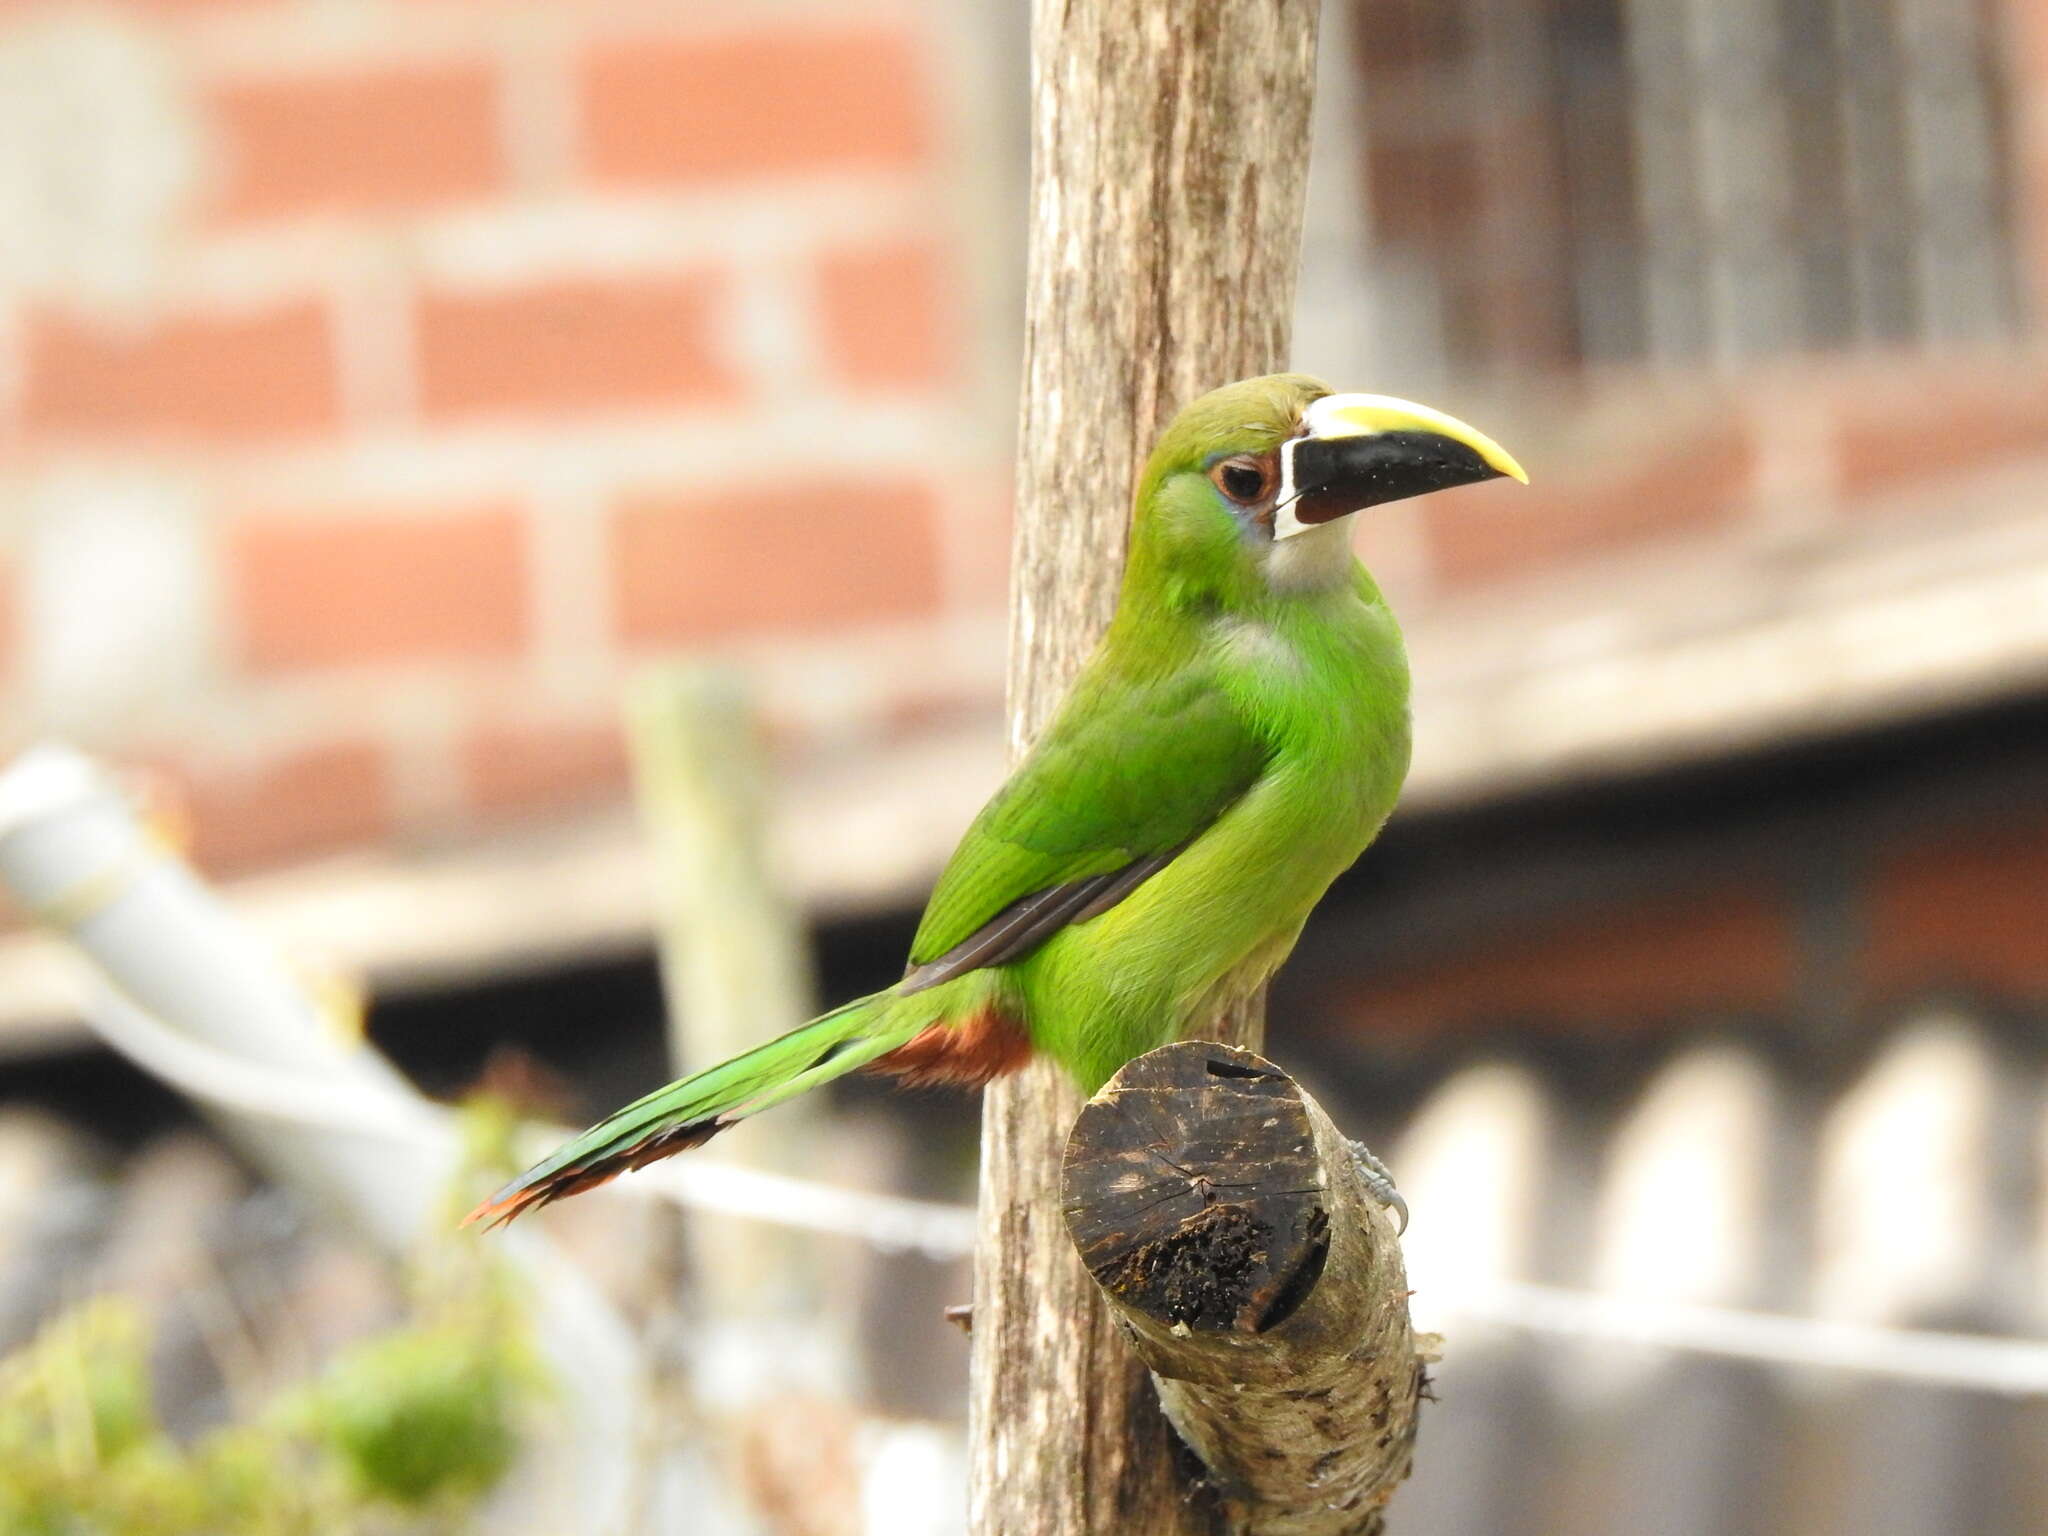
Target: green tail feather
point(691, 1110)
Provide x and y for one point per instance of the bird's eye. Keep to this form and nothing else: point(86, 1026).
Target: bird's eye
point(1243, 479)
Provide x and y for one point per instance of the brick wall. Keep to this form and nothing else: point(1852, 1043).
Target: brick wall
point(380, 381)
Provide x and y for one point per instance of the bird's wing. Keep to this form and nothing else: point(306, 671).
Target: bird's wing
point(1128, 774)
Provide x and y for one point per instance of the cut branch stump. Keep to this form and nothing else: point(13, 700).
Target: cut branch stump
point(1236, 1239)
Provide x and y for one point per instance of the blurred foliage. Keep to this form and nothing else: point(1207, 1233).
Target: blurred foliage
point(428, 1416)
point(420, 1415)
point(400, 1435)
point(81, 1453)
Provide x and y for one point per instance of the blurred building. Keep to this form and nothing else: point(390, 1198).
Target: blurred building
point(1736, 715)
point(382, 381)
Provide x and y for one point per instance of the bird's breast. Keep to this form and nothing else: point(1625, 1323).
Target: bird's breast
point(1335, 706)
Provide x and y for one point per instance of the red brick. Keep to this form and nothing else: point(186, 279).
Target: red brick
point(189, 379)
point(172, 9)
point(1963, 912)
point(780, 557)
point(374, 141)
point(982, 540)
point(1725, 950)
point(344, 591)
point(574, 347)
point(883, 317)
point(1487, 532)
point(312, 801)
point(509, 769)
point(1931, 433)
point(727, 109)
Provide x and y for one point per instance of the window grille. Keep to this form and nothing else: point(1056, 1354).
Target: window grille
point(1554, 183)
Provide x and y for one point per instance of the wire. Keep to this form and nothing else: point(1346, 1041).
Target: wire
point(2004, 1366)
point(892, 1223)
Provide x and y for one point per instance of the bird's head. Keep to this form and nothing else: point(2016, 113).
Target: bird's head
point(1260, 479)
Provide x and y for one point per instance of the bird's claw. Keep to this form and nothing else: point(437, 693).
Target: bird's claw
point(1380, 1184)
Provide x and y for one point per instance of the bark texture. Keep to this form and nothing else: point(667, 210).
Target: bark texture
point(1169, 157)
point(1261, 1283)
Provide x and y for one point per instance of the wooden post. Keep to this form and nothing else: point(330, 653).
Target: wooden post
point(763, 1338)
point(1169, 157)
point(733, 968)
point(1233, 1231)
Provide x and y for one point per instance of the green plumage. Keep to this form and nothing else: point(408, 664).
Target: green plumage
point(1154, 762)
point(1248, 708)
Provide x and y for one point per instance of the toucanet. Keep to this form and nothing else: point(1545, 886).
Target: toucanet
point(1233, 744)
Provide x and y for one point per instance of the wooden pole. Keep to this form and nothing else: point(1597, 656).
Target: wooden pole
point(1169, 158)
point(1237, 1239)
point(733, 968)
point(762, 1338)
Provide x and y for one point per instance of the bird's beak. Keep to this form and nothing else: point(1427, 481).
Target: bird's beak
point(1357, 451)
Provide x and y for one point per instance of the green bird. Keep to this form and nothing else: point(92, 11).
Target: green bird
point(1236, 740)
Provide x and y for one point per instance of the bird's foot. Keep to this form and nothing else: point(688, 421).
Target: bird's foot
point(1380, 1184)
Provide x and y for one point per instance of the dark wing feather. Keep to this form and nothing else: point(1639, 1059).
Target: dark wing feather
point(1127, 775)
point(1024, 925)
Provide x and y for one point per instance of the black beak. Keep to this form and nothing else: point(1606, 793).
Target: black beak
point(1340, 475)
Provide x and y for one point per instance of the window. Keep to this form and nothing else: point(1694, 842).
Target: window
point(1562, 182)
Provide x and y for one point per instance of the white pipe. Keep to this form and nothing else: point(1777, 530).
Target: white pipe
point(74, 853)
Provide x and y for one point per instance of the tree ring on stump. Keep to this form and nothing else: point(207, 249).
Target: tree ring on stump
point(1192, 1189)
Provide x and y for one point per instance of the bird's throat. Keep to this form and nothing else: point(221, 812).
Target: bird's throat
point(1316, 558)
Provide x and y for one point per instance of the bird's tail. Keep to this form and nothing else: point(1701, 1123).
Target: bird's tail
point(689, 1112)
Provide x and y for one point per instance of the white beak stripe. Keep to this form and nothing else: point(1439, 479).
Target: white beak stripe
point(1285, 524)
